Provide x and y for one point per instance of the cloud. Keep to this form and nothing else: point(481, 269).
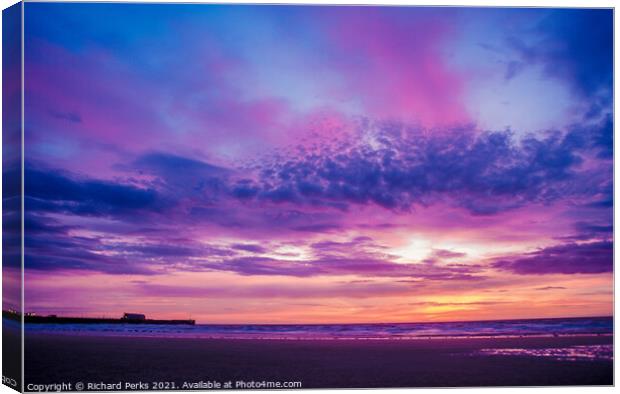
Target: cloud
point(572, 258)
point(473, 303)
point(397, 167)
point(171, 166)
point(575, 45)
point(591, 231)
point(50, 245)
point(594, 229)
point(287, 291)
point(318, 228)
point(447, 254)
point(389, 166)
point(402, 51)
point(249, 248)
point(360, 256)
point(54, 191)
point(68, 116)
point(358, 244)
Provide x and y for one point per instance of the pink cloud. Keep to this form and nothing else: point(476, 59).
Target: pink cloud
point(395, 67)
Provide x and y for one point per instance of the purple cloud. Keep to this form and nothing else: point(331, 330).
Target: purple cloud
point(545, 288)
point(588, 258)
point(358, 262)
point(562, 50)
point(485, 173)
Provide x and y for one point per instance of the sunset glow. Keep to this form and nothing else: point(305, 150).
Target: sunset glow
point(298, 164)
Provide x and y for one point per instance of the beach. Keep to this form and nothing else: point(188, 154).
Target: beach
point(338, 363)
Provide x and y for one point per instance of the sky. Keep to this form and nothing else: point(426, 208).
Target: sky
point(309, 164)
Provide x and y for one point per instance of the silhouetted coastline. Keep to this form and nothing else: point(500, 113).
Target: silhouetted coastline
point(53, 319)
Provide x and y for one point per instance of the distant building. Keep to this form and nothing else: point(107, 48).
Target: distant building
point(134, 316)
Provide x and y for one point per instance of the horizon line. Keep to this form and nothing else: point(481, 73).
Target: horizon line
point(340, 324)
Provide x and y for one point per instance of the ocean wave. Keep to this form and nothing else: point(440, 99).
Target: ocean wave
point(506, 328)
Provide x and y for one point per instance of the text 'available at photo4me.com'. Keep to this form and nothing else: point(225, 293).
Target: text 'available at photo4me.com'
point(161, 385)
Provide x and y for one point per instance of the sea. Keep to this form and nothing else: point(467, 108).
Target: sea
point(375, 331)
point(599, 351)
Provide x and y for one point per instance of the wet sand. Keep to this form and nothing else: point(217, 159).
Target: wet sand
point(437, 362)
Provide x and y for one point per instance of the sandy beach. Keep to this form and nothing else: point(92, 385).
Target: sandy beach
point(316, 363)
